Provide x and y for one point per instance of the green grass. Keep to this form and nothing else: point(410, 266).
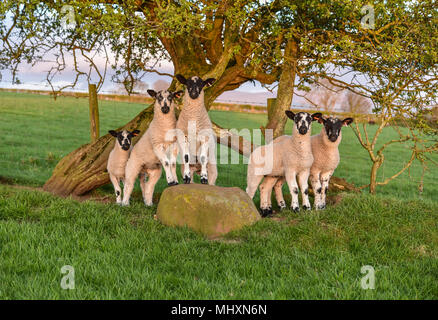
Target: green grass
point(124, 253)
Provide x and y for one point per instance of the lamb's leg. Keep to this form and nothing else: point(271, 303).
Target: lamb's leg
point(278, 188)
point(131, 172)
point(253, 182)
point(291, 179)
point(317, 189)
point(161, 154)
point(154, 175)
point(142, 177)
point(265, 195)
point(212, 173)
point(116, 183)
point(325, 178)
point(203, 157)
point(183, 144)
point(303, 178)
point(252, 179)
point(173, 157)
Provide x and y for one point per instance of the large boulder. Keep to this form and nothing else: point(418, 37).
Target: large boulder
point(210, 210)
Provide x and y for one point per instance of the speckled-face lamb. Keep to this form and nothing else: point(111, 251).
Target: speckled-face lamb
point(198, 155)
point(291, 158)
point(326, 159)
point(156, 149)
point(118, 157)
point(326, 156)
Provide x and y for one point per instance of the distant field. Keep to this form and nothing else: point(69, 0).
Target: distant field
point(122, 252)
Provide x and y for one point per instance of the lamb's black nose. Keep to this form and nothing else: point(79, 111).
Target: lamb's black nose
point(302, 130)
point(165, 109)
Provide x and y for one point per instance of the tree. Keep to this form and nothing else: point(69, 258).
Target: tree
point(160, 85)
point(325, 96)
point(294, 42)
point(355, 103)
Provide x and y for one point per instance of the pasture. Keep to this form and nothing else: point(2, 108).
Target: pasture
point(124, 253)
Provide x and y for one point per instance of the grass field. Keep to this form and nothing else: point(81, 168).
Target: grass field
point(124, 253)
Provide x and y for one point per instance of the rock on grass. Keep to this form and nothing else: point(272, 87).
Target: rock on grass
point(210, 210)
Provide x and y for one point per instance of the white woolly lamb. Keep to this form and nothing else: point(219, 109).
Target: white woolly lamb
point(200, 155)
point(118, 157)
point(287, 156)
point(156, 148)
point(326, 159)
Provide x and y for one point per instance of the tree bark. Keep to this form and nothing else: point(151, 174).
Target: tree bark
point(84, 169)
point(373, 175)
point(278, 118)
point(94, 112)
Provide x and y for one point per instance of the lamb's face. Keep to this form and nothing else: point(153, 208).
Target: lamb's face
point(333, 126)
point(124, 138)
point(194, 85)
point(164, 99)
point(303, 120)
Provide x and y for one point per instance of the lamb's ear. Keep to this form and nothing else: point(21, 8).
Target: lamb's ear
point(347, 121)
point(181, 78)
point(113, 133)
point(152, 93)
point(135, 133)
point(290, 114)
point(209, 82)
point(178, 94)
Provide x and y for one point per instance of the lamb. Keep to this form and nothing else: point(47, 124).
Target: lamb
point(198, 155)
point(326, 159)
point(118, 157)
point(156, 149)
point(287, 156)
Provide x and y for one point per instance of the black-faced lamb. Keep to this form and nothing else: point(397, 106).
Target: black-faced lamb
point(287, 156)
point(118, 157)
point(325, 160)
point(195, 133)
point(157, 148)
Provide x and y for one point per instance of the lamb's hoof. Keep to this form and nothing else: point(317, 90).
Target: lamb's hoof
point(204, 180)
point(296, 209)
point(265, 212)
point(124, 204)
point(282, 206)
point(320, 207)
point(187, 179)
point(306, 207)
point(173, 183)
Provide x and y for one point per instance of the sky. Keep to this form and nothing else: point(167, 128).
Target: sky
point(34, 77)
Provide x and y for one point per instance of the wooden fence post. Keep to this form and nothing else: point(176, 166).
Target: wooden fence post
point(271, 107)
point(94, 112)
